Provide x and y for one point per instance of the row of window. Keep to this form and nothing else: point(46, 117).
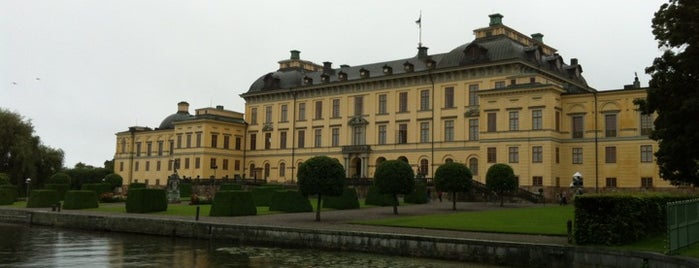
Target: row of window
point(176, 163)
point(610, 154)
point(610, 119)
point(358, 135)
point(425, 105)
point(646, 182)
point(188, 139)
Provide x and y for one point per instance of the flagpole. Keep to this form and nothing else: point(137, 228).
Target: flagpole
point(419, 26)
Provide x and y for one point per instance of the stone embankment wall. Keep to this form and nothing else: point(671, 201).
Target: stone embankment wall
point(491, 252)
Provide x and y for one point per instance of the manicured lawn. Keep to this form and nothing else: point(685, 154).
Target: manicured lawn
point(548, 220)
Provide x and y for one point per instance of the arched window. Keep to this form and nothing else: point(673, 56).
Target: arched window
point(266, 170)
point(449, 160)
point(404, 159)
point(282, 170)
point(252, 170)
point(473, 165)
point(424, 167)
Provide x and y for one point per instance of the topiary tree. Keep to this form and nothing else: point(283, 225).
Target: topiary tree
point(321, 175)
point(453, 177)
point(114, 180)
point(59, 178)
point(394, 177)
point(500, 179)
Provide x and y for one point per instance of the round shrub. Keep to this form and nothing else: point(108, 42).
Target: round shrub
point(59, 178)
point(233, 203)
point(348, 200)
point(43, 198)
point(115, 180)
point(8, 194)
point(289, 201)
point(146, 200)
point(80, 199)
point(60, 188)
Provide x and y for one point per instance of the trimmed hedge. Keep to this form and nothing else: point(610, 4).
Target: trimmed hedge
point(230, 187)
point(233, 203)
point(99, 188)
point(373, 197)
point(80, 199)
point(620, 219)
point(348, 200)
point(146, 200)
point(419, 196)
point(263, 194)
point(59, 187)
point(185, 190)
point(289, 201)
point(8, 194)
point(43, 198)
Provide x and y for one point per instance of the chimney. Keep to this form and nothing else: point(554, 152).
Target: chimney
point(295, 55)
point(183, 107)
point(538, 37)
point(327, 67)
point(573, 61)
point(421, 52)
point(495, 19)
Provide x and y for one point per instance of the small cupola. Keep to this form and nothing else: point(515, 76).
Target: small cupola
point(495, 19)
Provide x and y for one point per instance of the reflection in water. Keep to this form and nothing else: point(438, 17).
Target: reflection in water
point(23, 246)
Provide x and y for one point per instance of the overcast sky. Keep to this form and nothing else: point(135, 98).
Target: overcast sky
point(82, 71)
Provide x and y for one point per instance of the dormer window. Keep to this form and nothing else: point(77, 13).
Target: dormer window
point(342, 76)
point(324, 78)
point(408, 67)
point(387, 70)
point(307, 81)
point(364, 73)
point(430, 63)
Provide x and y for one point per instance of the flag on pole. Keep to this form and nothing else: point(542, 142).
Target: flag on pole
point(419, 20)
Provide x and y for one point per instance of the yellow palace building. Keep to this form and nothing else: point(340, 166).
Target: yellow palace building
point(504, 97)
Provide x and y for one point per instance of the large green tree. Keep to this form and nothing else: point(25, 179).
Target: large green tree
point(321, 175)
point(453, 177)
point(501, 179)
point(22, 155)
point(674, 91)
point(394, 177)
point(83, 173)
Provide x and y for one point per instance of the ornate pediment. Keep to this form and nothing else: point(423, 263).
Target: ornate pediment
point(358, 121)
point(472, 112)
point(267, 127)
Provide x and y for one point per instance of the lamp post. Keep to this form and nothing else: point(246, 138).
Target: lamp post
point(28, 181)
